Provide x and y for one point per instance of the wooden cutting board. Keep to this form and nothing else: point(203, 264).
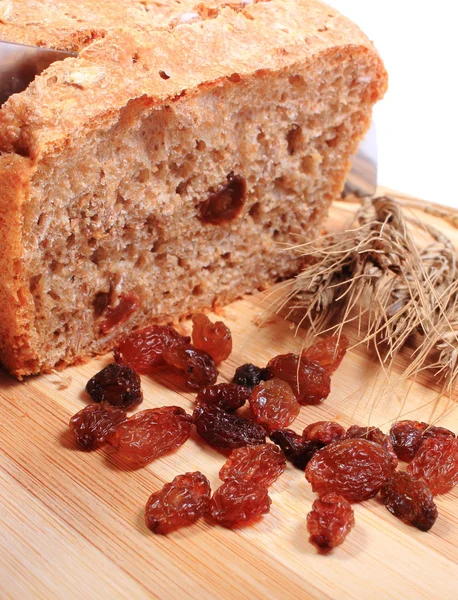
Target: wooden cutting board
point(72, 522)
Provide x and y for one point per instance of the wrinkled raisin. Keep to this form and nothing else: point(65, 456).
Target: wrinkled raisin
point(227, 396)
point(225, 204)
point(225, 430)
point(150, 434)
point(410, 500)
point(355, 469)
point(250, 375)
point(92, 425)
point(376, 435)
point(143, 349)
point(214, 338)
point(406, 437)
point(261, 464)
point(328, 352)
point(329, 521)
point(308, 380)
point(295, 447)
point(239, 502)
point(198, 367)
point(325, 432)
point(436, 463)
point(433, 431)
point(116, 384)
point(273, 404)
point(178, 503)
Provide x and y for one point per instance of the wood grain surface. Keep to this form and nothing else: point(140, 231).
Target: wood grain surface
point(72, 522)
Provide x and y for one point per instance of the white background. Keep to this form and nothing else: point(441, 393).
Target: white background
point(417, 122)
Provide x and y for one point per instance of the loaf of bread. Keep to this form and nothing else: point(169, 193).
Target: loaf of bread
point(162, 170)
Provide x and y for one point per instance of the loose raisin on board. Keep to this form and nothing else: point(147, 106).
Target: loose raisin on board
point(329, 521)
point(410, 500)
point(328, 352)
point(198, 367)
point(225, 430)
point(433, 431)
point(214, 338)
point(309, 381)
point(436, 463)
point(406, 437)
point(92, 425)
point(273, 404)
point(325, 432)
point(260, 465)
point(239, 502)
point(143, 349)
point(250, 375)
point(295, 447)
point(376, 435)
point(178, 503)
point(228, 396)
point(151, 433)
point(118, 385)
point(355, 469)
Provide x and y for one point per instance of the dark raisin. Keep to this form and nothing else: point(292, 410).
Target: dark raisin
point(214, 338)
point(92, 425)
point(150, 434)
point(355, 469)
point(238, 503)
point(117, 384)
point(227, 396)
point(406, 437)
point(410, 500)
point(225, 430)
point(178, 503)
point(296, 448)
point(329, 521)
point(198, 367)
point(143, 349)
point(250, 375)
point(226, 203)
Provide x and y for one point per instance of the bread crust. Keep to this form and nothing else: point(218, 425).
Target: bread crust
point(154, 60)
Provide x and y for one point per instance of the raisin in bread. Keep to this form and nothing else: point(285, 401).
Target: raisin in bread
point(163, 169)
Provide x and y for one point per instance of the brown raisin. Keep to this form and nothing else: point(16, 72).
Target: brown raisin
point(410, 500)
point(436, 463)
point(226, 203)
point(92, 425)
point(150, 434)
point(273, 404)
point(325, 432)
point(406, 437)
point(214, 338)
point(116, 384)
point(197, 367)
point(250, 375)
point(329, 521)
point(309, 381)
point(433, 431)
point(128, 304)
point(143, 349)
point(355, 469)
point(295, 447)
point(238, 503)
point(328, 352)
point(227, 396)
point(261, 464)
point(376, 435)
point(225, 430)
point(178, 503)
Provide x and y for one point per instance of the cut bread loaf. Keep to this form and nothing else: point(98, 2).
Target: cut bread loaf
point(162, 170)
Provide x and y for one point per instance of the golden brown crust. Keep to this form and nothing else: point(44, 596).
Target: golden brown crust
point(159, 57)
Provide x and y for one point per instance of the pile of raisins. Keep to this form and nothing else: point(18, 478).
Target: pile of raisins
point(342, 466)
